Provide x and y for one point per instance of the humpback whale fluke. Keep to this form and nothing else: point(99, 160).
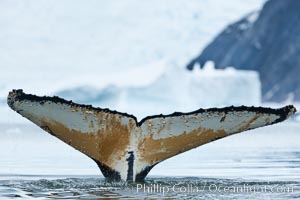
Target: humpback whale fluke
point(127, 149)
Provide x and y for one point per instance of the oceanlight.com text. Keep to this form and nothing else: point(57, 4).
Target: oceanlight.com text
point(213, 188)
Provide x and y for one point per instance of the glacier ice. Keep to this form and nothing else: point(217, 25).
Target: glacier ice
point(176, 89)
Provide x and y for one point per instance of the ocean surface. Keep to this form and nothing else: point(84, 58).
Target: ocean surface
point(258, 164)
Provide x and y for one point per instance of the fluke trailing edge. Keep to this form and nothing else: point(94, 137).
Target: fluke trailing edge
point(126, 149)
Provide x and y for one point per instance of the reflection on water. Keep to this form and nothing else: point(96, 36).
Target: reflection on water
point(195, 188)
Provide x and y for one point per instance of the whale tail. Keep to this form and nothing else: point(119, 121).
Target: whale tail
point(126, 149)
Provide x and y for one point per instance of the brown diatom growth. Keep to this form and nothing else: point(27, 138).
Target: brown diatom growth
point(114, 141)
point(168, 147)
point(101, 145)
point(84, 142)
point(248, 124)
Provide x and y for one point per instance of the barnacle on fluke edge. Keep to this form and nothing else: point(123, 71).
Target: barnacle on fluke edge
point(127, 149)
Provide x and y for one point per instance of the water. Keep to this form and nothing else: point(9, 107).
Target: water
point(259, 164)
point(194, 188)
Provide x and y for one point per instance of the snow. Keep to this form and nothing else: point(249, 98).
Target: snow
point(253, 17)
point(175, 89)
point(181, 90)
point(249, 21)
point(47, 46)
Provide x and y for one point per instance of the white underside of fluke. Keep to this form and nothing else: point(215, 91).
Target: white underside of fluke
point(127, 148)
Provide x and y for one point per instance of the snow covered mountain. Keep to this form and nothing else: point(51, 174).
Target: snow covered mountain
point(268, 42)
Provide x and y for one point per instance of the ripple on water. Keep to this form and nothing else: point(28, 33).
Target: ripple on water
point(164, 187)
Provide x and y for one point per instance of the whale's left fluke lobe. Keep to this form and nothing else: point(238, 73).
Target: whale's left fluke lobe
point(126, 149)
point(101, 134)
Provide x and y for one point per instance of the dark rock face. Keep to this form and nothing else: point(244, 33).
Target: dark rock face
point(270, 45)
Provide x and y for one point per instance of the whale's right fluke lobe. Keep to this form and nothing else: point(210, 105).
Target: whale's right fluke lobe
point(126, 149)
point(170, 135)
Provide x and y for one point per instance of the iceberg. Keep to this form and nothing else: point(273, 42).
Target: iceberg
point(176, 89)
